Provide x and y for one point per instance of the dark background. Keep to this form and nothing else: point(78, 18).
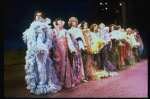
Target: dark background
point(18, 16)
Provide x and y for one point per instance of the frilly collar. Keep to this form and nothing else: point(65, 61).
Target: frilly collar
point(47, 20)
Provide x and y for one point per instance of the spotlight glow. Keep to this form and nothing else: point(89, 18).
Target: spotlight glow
point(120, 4)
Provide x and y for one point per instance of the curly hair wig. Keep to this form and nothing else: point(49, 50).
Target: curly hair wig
point(93, 26)
point(82, 24)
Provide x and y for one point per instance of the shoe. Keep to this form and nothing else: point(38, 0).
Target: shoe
point(84, 80)
point(105, 69)
point(73, 85)
point(113, 74)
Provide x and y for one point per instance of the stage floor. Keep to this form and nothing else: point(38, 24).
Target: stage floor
point(131, 82)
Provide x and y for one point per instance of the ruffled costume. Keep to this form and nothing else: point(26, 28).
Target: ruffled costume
point(116, 53)
point(41, 78)
point(61, 45)
point(76, 59)
point(130, 55)
point(105, 63)
point(94, 44)
point(141, 47)
point(84, 53)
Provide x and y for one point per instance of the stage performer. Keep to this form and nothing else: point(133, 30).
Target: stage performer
point(79, 43)
point(131, 40)
point(85, 30)
point(141, 47)
point(125, 48)
point(41, 78)
point(104, 34)
point(61, 43)
point(94, 45)
point(117, 48)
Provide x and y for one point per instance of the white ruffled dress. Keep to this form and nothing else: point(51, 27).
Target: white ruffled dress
point(41, 78)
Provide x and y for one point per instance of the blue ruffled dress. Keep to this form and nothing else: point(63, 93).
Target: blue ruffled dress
point(41, 78)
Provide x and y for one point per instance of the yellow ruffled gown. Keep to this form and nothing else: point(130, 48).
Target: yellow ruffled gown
point(94, 43)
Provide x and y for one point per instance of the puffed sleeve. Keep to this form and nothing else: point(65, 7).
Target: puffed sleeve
point(107, 36)
point(37, 42)
point(31, 36)
point(25, 34)
point(70, 44)
point(28, 33)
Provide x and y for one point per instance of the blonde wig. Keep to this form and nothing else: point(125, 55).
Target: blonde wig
point(71, 20)
point(102, 24)
point(128, 29)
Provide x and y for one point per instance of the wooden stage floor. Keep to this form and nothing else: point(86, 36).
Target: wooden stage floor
point(131, 82)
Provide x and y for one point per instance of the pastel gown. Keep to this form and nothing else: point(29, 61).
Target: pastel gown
point(41, 78)
point(61, 45)
point(76, 58)
point(94, 44)
point(105, 63)
point(123, 50)
point(130, 55)
point(118, 52)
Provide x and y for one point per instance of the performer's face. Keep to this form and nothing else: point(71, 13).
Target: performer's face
point(133, 32)
point(74, 23)
point(112, 28)
point(95, 29)
point(85, 26)
point(101, 26)
point(38, 16)
point(129, 32)
point(59, 22)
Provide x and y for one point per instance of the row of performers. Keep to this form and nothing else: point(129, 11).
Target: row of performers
point(57, 58)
